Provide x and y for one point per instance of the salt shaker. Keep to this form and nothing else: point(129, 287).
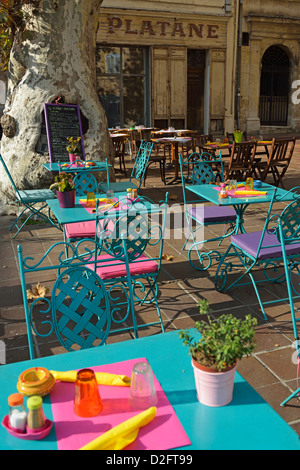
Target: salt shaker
point(36, 417)
point(17, 412)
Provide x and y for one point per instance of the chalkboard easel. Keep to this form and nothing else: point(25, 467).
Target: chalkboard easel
point(62, 121)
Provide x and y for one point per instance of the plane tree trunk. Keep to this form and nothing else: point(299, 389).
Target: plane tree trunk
point(54, 56)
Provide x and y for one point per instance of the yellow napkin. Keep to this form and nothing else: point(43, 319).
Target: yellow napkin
point(250, 193)
point(123, 434)
point(102, 378)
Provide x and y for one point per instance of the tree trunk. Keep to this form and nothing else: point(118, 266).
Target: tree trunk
point(54, 57)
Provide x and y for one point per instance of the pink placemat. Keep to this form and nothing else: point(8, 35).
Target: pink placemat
point(73, 432)
point(104, 205)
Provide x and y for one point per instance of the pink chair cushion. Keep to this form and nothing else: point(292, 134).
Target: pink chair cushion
point(80, 229)
point(143, 266)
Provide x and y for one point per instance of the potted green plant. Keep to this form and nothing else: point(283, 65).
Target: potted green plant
point(65, 189)
point(222, 343)
point(73, 147)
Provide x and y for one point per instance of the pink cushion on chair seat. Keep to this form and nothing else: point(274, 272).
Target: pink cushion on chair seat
point(143, 266)
point(80, 229)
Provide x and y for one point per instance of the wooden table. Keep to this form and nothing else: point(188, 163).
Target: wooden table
point(248, 422)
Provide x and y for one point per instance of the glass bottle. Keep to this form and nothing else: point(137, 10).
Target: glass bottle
point(223, 192)
point(35, 417)
point(17, 412)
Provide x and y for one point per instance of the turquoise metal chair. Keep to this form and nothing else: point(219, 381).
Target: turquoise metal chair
point(203, 169)
point(140, 224)
point(33, 201)
point(248, 254)
point(84, 180)
point(78, 312)
point(138, 172)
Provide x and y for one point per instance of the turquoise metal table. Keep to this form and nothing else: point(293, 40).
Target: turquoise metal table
point(248, 422)
point(208, 193)
point(79, 212)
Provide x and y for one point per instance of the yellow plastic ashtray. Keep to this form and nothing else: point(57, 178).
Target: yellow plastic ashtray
point(36, 381)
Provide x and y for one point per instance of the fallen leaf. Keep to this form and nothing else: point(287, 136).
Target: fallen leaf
point(37, 292)
point(168, 257)
point(173, 197)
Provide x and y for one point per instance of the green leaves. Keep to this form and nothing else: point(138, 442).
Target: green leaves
point(225, 339)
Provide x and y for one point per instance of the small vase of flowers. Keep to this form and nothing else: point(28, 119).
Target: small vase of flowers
point(73, 147)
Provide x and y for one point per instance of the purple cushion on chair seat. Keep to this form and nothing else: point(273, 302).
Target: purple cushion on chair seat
point(210, 214)
point(144, 266)
point(249, 242)
point(80, 229)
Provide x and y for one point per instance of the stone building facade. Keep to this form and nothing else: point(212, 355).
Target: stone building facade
point(210, 65)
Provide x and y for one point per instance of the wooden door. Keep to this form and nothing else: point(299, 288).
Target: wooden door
point(169, 84)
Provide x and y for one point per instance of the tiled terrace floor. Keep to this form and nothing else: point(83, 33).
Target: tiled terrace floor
point(269, 370)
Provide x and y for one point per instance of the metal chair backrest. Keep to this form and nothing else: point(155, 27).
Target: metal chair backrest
point(141, 162)
point(206, 169)
point(10, 179)
point(78, 309)
point(241, 160)
point(85, 182)
point(126, 233)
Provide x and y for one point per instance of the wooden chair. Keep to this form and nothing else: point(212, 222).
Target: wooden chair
point(240, 165)
point(199, 140)
point(119, 146)
point(280, 155)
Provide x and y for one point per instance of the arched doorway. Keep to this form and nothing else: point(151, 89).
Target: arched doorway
point(274, 87)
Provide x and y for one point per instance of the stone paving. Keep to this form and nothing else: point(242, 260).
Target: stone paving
point(269, 370)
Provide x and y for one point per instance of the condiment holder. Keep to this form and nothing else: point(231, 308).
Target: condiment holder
point(32, 425)
point(29, 434)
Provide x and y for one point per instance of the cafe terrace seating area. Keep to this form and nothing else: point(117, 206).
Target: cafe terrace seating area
point(270, 370)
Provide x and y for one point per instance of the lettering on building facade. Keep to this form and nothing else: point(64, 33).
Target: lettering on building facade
point(186, 31)
point(162, 28)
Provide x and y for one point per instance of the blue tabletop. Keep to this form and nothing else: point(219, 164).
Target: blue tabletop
point(56, 166)
point(248, 422)
point(207, 192)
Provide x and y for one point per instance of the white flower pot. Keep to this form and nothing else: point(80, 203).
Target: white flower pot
point(213, 388)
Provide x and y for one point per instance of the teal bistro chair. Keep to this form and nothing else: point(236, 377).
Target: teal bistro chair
point(33, 202)
point(141, 226)
point(203, 169)
point(257, 257)
point(84, 182)
point(138, 172)
point(72, 308)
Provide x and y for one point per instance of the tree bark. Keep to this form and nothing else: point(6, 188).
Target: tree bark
point(54, 57)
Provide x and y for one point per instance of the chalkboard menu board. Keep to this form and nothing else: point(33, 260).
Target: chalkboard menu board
point(62, 121)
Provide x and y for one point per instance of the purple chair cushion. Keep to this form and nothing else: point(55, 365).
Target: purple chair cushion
point(249, 242)
point(211, 214)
